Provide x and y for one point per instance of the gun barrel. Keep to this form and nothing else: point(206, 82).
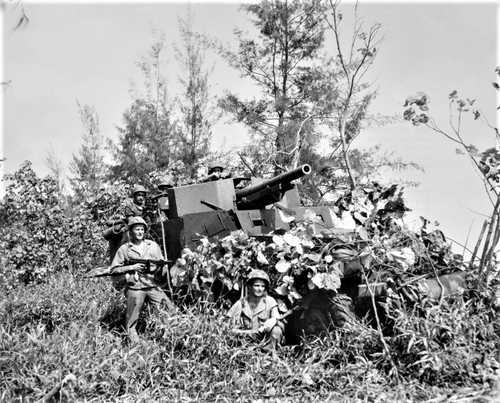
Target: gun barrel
point(286, 177)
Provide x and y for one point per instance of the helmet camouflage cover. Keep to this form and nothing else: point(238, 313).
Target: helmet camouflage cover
point(215, 165)
point(138, 189)
point(258, 274)
point(166, 183)
point(136, 221)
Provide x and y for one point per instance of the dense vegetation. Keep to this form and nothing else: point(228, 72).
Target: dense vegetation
point(61, 334)
point(64, 338)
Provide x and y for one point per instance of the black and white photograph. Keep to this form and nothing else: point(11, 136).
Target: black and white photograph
point(263, 201)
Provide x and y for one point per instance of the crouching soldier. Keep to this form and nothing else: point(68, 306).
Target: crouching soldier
point(257, 315)
point(145, 283)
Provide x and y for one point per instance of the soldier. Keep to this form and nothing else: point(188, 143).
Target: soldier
point(141, 286)
point(216, 172)
point(163, 205)
point(165, 185)
point(117, 233)
point(135, 206)
point(257, 315)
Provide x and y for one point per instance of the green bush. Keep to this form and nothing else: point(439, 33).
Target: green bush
point(456, 342)
point(43, 233)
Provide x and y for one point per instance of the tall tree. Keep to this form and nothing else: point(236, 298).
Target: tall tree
point(197, 114)
point(283, 62)
point(353, 60)
point(148, 137)
point(87, 166)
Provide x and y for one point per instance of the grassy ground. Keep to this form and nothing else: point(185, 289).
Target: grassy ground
point(63, 340)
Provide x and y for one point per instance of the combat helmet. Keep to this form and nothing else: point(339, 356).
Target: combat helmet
point(215, 165)
point(138, 189)
point(166, 183)
point(258, 274)
point(137, 220)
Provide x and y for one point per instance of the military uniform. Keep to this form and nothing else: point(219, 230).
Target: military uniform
point(243, 317)
point(131, 209)
point(261, 321)
point(141, 286)
point(127, 210)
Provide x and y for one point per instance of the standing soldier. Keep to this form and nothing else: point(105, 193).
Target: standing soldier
point(143, 284)
point(117, 233)
point(257, 315)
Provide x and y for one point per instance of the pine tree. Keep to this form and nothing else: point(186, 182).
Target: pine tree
point(197, 114)
point(149, 136)
point(87, 166)
point(284, 62)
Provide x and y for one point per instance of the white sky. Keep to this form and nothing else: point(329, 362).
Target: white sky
point(88, 52)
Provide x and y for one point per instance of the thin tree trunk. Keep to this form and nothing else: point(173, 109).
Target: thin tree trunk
point(299, 141)
point(478, 244)
point(345, 153)
point(492, 225)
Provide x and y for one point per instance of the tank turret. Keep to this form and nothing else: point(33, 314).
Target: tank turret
point(214, 209)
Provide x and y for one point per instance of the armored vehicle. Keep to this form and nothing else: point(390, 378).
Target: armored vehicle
point(214, 209)
point(259, 207)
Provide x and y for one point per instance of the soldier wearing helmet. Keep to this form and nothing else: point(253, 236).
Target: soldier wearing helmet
point(216, 172)
point(165, 185)
point(161, 199)
point(256, 315)
point(142, 285)
point(135, 206)
point(117, 233)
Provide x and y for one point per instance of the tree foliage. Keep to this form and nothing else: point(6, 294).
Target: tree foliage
point(487, 164)
point(147, 141)
point(283, 62)
point(87, 166)
point(41, 236)
point(149, 135)
point(353, 60)
point(196, 111)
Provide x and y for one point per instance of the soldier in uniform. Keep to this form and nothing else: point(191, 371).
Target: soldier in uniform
point(141, 286)
point(257, 315)
point(134, 206)
point(117, 233)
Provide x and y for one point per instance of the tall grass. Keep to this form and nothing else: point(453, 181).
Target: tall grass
point(63, 340)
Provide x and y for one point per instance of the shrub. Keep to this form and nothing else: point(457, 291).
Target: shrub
point(42, 234)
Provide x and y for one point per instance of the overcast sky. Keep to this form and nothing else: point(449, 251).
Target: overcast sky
point(87, 52)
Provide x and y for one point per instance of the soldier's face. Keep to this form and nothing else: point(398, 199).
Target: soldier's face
point(258, 288)
point(138, 232)
point(139, 198)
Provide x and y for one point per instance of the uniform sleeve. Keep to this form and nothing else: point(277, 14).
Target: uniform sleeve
point(234, 313)
point(155, 251)
point(272, 306)
point(120, 256)
point(126, 209)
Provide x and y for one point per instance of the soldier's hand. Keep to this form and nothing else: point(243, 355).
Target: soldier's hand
point(268, 325)
point(139, 266)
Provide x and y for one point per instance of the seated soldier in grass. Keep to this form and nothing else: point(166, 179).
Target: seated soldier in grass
point(257, 315)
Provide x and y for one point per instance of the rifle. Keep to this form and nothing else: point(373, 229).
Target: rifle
point(159, 263)
point(128, 267)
